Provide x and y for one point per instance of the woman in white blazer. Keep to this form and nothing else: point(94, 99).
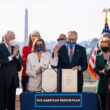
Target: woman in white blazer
point(38, 60)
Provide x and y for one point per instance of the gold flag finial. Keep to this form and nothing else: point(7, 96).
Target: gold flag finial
point(106, 10)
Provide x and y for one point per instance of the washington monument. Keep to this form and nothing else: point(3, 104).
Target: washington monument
point(26, 27)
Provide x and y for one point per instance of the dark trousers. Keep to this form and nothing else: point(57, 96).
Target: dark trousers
point(59, 81)
point(102, 101)
point(24, 83)
point(108, 96)
point(3, 93)
point(108, 101)
point(11, 97)
point(80, 88)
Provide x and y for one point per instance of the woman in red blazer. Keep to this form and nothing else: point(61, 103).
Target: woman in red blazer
point(26, 50)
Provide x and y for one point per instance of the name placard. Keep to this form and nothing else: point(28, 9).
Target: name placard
point(58, 100)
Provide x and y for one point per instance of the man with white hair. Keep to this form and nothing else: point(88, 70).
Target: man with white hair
point(11, 63)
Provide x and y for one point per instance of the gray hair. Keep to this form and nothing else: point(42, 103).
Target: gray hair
point(72, 32)
point(106, 35)
point(62, 35)
point(35, 31)
point(8, 33)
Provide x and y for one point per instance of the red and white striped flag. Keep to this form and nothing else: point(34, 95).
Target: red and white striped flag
point(91, 63)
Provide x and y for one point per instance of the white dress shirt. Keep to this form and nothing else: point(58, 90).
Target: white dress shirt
point(33, 66)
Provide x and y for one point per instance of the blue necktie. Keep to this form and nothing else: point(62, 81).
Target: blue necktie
point(12, 49)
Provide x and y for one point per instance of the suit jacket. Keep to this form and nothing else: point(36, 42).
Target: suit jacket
point(102, 79)
point(79, 58)
point(10, 68)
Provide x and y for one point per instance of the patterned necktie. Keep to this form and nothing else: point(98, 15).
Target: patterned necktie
point(71, 54)
point(9, 49)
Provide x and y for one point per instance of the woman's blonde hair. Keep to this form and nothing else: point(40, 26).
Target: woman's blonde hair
point(104, 40)
point(29, 40)
point(37, 40)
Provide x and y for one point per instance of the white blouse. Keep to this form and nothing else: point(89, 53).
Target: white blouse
point(33, 65)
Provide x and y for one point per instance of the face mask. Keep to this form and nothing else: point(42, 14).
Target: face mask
point(38, 48)
point(71, 44)
point(33, 39)
point(12, 42)
point(61, 42)
point(105, 49)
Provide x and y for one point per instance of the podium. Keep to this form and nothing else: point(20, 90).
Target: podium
point(87, 101)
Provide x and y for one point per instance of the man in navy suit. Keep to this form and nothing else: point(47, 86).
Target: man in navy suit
point(72, 56)
point(11, 62)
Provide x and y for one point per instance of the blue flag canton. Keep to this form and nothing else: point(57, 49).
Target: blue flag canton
point(106, 29)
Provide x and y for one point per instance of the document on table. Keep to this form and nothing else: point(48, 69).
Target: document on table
point(69, 80)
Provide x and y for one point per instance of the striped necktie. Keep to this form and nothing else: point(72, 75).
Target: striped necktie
point(71, 54)
point(9, 49)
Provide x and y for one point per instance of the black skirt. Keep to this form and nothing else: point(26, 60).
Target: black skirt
point(3, 92)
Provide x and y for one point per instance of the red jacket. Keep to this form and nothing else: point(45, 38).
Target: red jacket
point(26, 50)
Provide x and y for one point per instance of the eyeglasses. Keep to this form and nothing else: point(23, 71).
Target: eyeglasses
point(35, 35)
point(71, 39)
point(60, 39)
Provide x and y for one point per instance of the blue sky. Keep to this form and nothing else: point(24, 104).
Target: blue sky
point(52, 17)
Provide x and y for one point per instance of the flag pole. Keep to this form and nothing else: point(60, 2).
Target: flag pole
point(106, 10)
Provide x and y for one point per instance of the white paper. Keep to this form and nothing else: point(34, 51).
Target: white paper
point(49, 80)
point(69, 80)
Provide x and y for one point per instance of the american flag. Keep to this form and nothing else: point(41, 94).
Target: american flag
point(93, 56)
point(106, 28)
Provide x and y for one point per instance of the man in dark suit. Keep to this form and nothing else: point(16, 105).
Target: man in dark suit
point(72, 56)
point(11, 62)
